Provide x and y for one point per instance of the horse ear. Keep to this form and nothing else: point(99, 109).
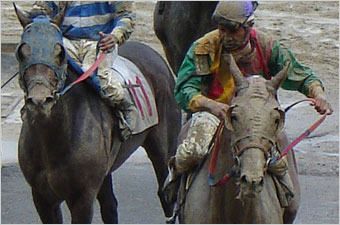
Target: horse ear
point(235, 71)
point(282, 120)
point(227, 122)
point(23, 17)
point(59, 18)
point(278, 79)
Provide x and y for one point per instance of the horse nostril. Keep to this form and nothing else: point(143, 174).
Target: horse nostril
point(244, 179)
point(257, 181)
point(262, 181)
point(29, 101)
point(252, 181)
point(39, 101)
point(49, 100)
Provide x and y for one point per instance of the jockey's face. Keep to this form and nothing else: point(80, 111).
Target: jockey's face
point(232, 38)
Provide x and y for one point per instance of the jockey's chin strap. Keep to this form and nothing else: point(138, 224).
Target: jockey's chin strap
point(232, 171)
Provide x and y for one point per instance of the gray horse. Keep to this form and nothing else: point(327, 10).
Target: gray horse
point(254, 132)
point(69, 146)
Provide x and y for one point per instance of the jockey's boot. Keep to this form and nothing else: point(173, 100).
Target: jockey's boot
point(172, 182)
point(286, 188)
point(119, 99)
point(127, 113)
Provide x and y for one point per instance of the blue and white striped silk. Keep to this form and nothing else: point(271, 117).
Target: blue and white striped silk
point(84, 19)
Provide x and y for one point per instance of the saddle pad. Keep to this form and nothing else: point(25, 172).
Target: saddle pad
point(142, 96)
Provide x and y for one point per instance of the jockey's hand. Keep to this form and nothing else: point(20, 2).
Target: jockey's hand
point(108, 42)
point(217, 108)
point(321, 105)
point(202, 103)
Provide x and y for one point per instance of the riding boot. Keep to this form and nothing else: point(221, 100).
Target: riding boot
point(127, 113)
point(172, 182)
point(285, 187)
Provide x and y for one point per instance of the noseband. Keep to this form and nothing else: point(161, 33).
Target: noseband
point(42, 36)
point(267, 151)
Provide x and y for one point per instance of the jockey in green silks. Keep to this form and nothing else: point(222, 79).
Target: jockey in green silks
point(204, 87)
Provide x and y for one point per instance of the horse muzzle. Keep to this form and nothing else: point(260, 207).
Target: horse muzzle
point(40, 99)
point(250, 186)
point(252, 172)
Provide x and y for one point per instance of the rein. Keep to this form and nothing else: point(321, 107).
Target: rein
point(303, 135)
point(92, 69)
point(86, 74)
point(232, 171)
point(212, 166)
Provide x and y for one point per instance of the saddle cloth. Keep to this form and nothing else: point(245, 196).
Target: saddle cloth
point(142, 96)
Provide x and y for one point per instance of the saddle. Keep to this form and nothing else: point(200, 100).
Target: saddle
point(139, 91)
point(136, 87)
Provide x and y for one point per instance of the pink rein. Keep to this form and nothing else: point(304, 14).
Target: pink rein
point(302, 136)
point(86, 74)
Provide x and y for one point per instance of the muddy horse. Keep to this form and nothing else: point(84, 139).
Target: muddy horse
point(178, 23)
point(249, 141)
point(69, 145)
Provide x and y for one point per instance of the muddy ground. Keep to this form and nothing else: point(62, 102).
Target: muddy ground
point(310, 29)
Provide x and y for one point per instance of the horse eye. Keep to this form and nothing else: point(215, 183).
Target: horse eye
point(59, 53)
point(24, 53)
point(233, 117)
point(277, 123)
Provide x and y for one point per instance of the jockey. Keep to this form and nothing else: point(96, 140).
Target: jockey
point(204, 89)
point(84, 24)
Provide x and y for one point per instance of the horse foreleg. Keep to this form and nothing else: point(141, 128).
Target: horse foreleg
point(81, 207)
point(108, 202)
point(159, 161)
point(48, 210)
point(291, 211)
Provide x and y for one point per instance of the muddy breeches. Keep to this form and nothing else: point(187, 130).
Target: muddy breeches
point(195, 146)
point(83, 52)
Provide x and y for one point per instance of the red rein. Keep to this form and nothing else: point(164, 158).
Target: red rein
point(86, 74)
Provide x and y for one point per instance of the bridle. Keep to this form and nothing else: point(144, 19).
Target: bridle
point(274, 150)
point(237, 151)
point(42, 36)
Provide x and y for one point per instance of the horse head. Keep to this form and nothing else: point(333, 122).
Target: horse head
point(255, 119)
point(42, 61)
